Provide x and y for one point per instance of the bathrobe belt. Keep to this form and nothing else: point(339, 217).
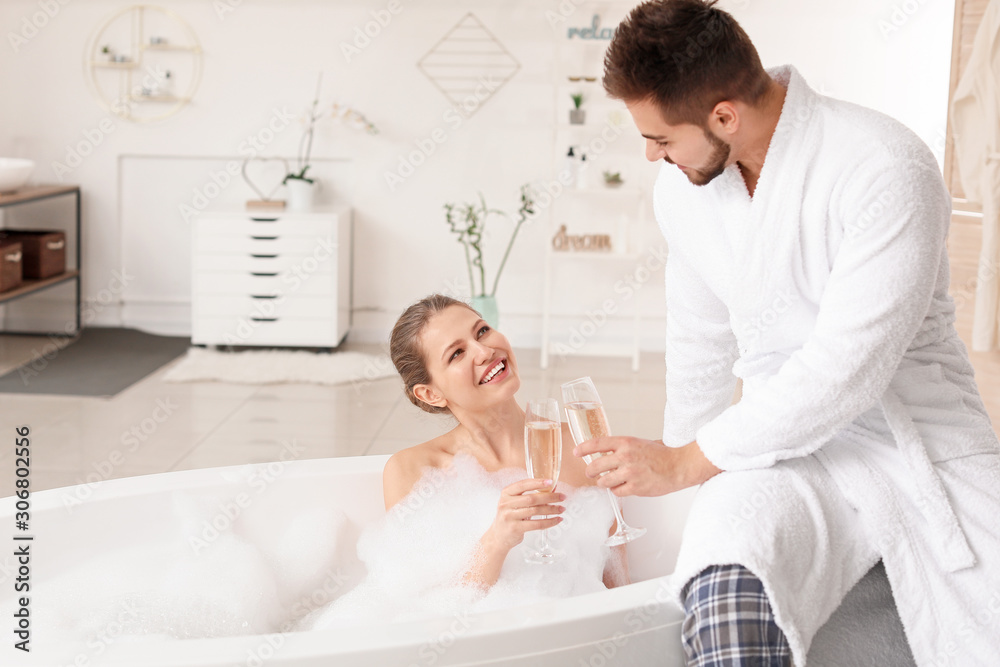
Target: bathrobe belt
point(955, 553)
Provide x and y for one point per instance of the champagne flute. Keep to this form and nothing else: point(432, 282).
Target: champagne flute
point(587, 421)
point(543, 458)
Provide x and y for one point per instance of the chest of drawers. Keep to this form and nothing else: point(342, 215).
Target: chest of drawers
point(271, 279)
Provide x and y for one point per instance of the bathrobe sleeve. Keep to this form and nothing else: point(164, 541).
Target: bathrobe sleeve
point(879, 290)
point(700, 346)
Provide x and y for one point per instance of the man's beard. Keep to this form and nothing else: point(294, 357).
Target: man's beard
point(716, 162)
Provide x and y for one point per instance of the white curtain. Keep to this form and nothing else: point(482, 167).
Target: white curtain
point(976, 124)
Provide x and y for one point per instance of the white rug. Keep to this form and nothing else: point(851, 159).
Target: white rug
point(275, 366)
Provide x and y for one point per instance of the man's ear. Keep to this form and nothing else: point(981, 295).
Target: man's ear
point(429, 395)
point(726, 117)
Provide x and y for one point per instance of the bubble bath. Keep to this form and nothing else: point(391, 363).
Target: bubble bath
point(416, 556)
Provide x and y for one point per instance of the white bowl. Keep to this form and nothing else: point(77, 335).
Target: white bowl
point(14, 172)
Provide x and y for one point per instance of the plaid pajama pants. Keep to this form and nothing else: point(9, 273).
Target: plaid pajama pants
point(729, 623)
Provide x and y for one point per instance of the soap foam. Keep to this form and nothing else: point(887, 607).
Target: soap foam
point(251, 576)
point(417, 555)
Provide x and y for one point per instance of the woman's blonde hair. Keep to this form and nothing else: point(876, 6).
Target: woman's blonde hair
point(404, 345)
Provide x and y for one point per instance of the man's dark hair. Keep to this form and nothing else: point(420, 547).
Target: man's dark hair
point(684, 55)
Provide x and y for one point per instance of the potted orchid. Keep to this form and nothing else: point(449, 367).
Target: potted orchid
point(300, 185)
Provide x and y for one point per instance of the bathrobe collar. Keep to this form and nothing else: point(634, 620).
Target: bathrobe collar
point(765, 231)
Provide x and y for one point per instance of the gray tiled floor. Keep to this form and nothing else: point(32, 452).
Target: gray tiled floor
point(155, 426)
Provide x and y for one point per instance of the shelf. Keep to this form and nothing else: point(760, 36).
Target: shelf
point(28, 286)
point(170, 47)
point(34, 193)
point(158, 98)
point(620, 191)
point(593, 254)
point(110, 65)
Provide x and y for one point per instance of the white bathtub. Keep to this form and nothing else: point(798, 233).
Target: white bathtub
point(631, 625)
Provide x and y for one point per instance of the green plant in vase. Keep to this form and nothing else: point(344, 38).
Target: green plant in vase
point(468, 222)
point(577, 115)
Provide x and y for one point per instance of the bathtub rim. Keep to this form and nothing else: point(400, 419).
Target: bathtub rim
point(607, 609)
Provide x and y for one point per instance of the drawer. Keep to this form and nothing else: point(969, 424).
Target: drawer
point(283, 332)
point(320, 245)
point(234, 226)
point(296, 265)
point(242, 305)
point(318, 284)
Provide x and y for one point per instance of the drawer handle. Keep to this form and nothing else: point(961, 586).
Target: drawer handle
point(55, 245)
point(13, 257)
point(263, 296)
point(263, 256)
point(264, 219)
point(263, 273)
point(264, 238)
point(264, 319)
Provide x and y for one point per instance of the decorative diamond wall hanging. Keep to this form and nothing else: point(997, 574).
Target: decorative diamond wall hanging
point(468, 64)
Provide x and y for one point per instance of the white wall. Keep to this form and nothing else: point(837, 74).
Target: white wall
point(265, 54)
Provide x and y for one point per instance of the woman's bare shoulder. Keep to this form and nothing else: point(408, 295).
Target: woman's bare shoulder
point(405, 467)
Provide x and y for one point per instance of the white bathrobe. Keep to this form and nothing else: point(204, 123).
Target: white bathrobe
point(860, 434)
point(975, 114)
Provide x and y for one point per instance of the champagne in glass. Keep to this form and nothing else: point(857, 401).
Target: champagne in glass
point(543, 450)
point(587, 421)
point(543, 459)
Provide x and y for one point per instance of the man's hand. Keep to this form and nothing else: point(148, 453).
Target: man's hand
point(637, 467)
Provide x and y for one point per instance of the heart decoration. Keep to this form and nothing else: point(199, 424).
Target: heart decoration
point(264, 172)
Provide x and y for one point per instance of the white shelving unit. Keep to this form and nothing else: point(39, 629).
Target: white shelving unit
point(271, 279)
point(610, 141)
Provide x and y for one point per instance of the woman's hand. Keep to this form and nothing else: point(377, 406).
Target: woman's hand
point(515, 512)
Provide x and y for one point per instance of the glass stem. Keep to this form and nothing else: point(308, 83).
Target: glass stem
point(618, 513)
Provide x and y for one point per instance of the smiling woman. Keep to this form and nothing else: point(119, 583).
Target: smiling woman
point(460, 505)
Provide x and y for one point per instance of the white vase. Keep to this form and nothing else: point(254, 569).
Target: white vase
point(300, 194)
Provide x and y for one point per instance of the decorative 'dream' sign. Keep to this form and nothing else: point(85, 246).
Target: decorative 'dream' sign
point(563, 242)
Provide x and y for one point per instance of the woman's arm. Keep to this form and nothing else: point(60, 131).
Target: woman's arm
point(401, 472)
point(616, 569)
point(515, 512)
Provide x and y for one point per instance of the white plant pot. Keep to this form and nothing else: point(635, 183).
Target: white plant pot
point(300, 194)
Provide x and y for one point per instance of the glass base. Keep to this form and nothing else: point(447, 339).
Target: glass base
point(545, 556)
point(625, 534)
